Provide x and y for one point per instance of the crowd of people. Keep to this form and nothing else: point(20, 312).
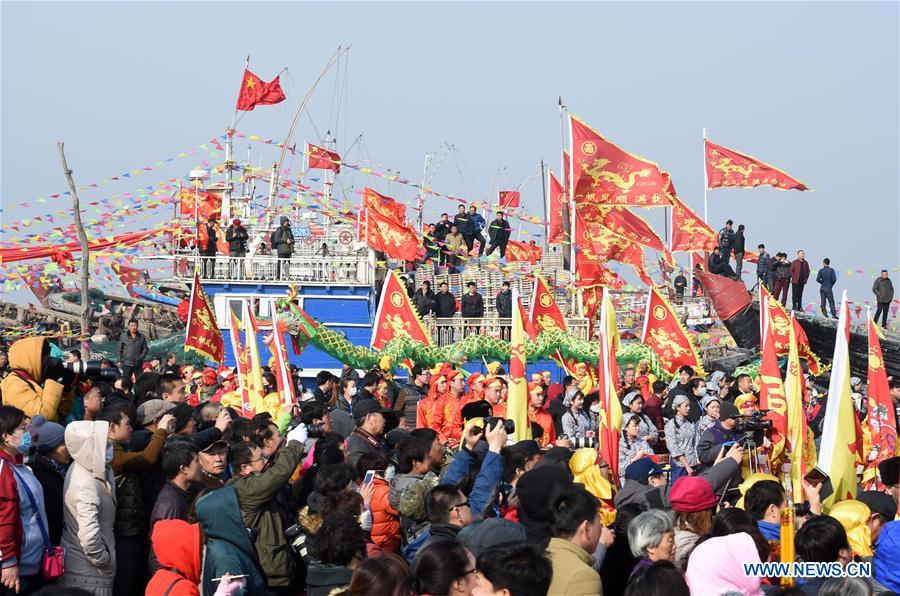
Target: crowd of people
point(155, 483)
point(778, 273)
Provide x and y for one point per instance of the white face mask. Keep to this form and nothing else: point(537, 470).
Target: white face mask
point(352, 392)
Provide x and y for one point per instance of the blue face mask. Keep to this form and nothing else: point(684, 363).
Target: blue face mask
point(25, 445)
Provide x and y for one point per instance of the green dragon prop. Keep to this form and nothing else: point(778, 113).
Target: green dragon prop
point(547, 345)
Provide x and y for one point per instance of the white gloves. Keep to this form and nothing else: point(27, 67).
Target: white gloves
point(299, 433)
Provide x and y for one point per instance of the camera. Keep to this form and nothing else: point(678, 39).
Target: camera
point(491, 421)
point(753, 422)
point(316, 430)
point(92, 370)
point(582, 442)
point(801, 509)
point(296, 537)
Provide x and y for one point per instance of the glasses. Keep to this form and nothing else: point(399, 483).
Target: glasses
point(463, 504)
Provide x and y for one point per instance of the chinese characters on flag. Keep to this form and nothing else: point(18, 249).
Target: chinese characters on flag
point(256, 92)
point(881, 420)
point(322, 159)
point(728, 168)
point(556, 206)
point(665, 335)
point(202, 334)
point(523, 251)
point(395, 316)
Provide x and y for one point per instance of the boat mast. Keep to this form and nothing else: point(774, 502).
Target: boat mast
point(420, 203)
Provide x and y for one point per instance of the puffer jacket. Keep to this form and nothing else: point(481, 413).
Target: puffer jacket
point(228, 546)
point(176, 545)
point(256, 496)
point(129, 467)
point(20, 536)
point(90, 510)
point(25, 387)
point(385, 519)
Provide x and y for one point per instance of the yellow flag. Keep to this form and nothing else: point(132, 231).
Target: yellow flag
point(796, 420)
point(517, 400)
point(838, 444)
point(607, 380)
point(254, 366)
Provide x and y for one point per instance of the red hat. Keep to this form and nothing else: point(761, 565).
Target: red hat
point(236, 221)
point(692, 493)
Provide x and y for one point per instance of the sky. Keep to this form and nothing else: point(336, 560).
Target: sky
point(809, 87)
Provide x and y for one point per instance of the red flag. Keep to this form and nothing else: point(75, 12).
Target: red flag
point(395, 316)
point(600, 244)
point(772, 396)
point(780, 323)
point(523, 251)
point(689, 232)
point(202, 334)
point(610, 422)
point(130, 277)
point(256, 92)
point(284, 382)
point(623, 222)
point(544, 312)
point(727, 167)
point(880, 420)
point(322, 159)
point(243, 367)
point(590, 273)
point(556, 204)
point(665, 335)
point(209, 203)
point(386, 228)
point(603, 172)
point(527, 323)
point(509, 198)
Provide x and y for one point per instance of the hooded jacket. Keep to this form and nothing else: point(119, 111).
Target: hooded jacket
point(228, 546)
point(25, 387)
point(385, 519)
point(283, 239)
point(90, 509)
point(176, 544)
point(716, 566)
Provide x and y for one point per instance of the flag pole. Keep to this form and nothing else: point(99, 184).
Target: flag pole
point(705, 180)
point(546, 207)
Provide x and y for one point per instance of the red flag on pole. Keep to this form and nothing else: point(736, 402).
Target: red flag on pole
point(881, 420)
point(556, 204)
point(202, 334)
point(523, 251)
point(690, 232)
point(322, 159)
point(509, 198)
point(256, 92)
point(395, 316)
point(728, 168)
point(665, 335)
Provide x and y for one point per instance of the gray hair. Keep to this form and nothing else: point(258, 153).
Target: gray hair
point(647, 531)
point(846, 586)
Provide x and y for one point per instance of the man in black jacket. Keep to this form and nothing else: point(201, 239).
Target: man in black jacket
point(207, 247)
point(283, 245)
point(726, 239)
point(826, 278)
point(718, 263)
point(423, 299)
point(504, 301)
point(499, 232)
point(737, 247)
point(444, 303)
point(132, 352)
point(441, 229)
point(472, 304)
point(237, 238)
point(463, 225)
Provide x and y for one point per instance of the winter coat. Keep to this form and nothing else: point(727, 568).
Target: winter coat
point(441, 229)
point(130, 469)
point(573, 571)
point(361, 443)
point(256, 497)
point(444, 305)
point(477, 224)
point(762, 265)
point(237, 238)
point(25, 387)
point(685, 541)
point(176, 545)
point(462, 221)
point(799, 271)
point(882, 288)
point(424, 302)
point(472, 306)
point(726, 240)
point(228, 545)
point(782, 270)
point(633, 491)
point(453, 242)
point(132, 350)
point(51, 477)
point(826, 278)
point(20, 537)
point(504, 304)
point(385, 519)
point(321, 579)
point(283, 241)
point(737, 243)
point(90, 510)
point(172, 503)
point(499, 231)
point(407, 402)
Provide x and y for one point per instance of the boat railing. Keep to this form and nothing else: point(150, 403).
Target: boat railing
point(445, 331)
point(307, 269)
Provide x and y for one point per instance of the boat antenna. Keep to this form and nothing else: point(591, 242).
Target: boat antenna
point(287, 139)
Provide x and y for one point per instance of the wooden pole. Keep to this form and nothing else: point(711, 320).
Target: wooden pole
point(85, 250)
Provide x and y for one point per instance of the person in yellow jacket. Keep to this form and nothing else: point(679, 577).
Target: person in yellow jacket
point(37, 383)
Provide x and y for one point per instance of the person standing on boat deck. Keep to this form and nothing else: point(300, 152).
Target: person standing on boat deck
point(737, 247)
point(237, 238)
point(762, 267)
point(476, 225)
point(441, 229)
point(826, 279)
point(132, 352)
point(207, 245)
point(283, 244)
point(680, 285)
point(499, 232)
point(726, 240)
point(799, 277)
point(884, 293)
point(782, 273)
point(463, 224)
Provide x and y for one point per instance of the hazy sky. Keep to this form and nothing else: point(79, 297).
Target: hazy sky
point(809, 87)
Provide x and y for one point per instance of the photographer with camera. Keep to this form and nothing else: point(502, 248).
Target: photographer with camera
point(732, 429)
point(495, 432)
point(37, 382)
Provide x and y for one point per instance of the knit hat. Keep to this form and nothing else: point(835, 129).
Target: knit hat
point(889, 470)
point(50, 434)
point(493, 532)
point(728, 410)
point(692, 493)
